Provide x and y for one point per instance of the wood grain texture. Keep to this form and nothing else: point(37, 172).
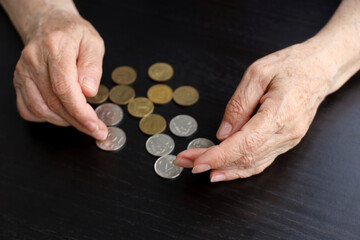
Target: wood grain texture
point(56, 184)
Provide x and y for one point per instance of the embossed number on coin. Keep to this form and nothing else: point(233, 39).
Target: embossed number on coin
point(111, 114)
point(160, 145)
point(122, 94)
point(160, 93)
point(200, 143)
point(183, 125)
point(165, 168)
point(160, 71)
point(186, 95)
point(124, 75)
point(152, 124)
point(115, 140)
point(140, 107)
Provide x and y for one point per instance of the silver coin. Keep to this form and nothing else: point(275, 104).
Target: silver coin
point(110, 113)
point(115, 140)
point(200, 143)
point(165, 168)
point(183, 125)
point(159, 145)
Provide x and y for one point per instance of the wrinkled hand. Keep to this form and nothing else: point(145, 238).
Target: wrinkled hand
point(60, 65)
point(289, 85)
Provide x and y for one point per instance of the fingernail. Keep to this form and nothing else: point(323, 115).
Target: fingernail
point(100, 135)
point(201, 168)
point(218, 178)
point(90, 83)
point(183, 162)
point(91, 126)
point(224, 130)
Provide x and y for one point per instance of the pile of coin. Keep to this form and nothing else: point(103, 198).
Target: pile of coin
point(158, 144)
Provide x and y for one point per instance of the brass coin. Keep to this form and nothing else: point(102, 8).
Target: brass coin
point(152, 124)
point(140, 107)
point(186, 95)
point(160, 93)
point(122, 94)
point(101, 96)
point(124, 75)
point(160, 71)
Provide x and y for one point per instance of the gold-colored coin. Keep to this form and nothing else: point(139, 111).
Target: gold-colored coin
point(101, 96)
point(186, 95)
point(124, 75)
point(160, 93)
point(152, 124)
point(140, 107)
point(122, 94)
point(160, 71)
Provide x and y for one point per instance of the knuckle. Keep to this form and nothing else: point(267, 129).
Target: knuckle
point(249, 144)
point(24, 113)
point(247, 160)
point(241, 174)
point(93, 67)
point(221, 157)
point(38, 109)
point(29, 54)
point(54, 103)
point(258, 72)
point(61, 88)
point(53, 40)
point(298, 132)
point(236, 106)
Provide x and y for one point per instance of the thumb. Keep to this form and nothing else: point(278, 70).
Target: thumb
point(244, 100)
point(89, 65)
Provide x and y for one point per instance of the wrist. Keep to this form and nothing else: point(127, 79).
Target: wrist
point(46, 19)
point(29, 16)
point(339, 54)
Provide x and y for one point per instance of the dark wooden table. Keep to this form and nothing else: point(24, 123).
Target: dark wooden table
point(56, 184)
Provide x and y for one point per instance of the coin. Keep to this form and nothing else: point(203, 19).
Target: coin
point(183, 125)
point(160, 145)
point(165, 168)
point(152, 124)
point(186, 95)
point(140, 107)
point(122, 94)
point(160, 93)
point(115, 140)
point(101, 96)
point(200, 143)
point(160, 71)
point(111, 114)
point(124, 75)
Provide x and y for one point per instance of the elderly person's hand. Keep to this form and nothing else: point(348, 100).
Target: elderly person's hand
point(60, 65)
point(288, 86)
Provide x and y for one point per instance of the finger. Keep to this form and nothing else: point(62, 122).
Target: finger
point(65, 85)
point(273, 148)
point(23, 110)
point(36, 104)
point(89, 65)
point(185, 158)
point(244, 100)
point(218, 175)
point(240, 148)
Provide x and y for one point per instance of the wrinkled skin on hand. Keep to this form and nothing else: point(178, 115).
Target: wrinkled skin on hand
point(60, 65)
point(289, 86)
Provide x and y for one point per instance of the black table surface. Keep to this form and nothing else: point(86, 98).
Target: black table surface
point(56, 184)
